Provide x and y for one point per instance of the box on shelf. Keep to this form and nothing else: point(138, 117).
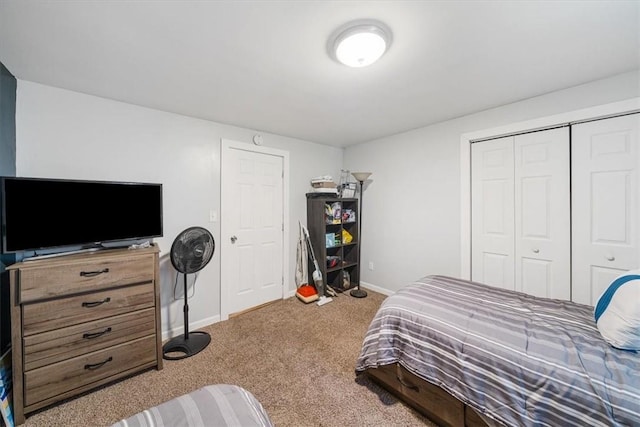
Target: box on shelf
point(333, 213)
point(329, 240)
point(348, 215)
point(348, 190)
point(332, 240)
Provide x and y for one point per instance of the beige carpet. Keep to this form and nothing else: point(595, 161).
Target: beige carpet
point(298, 360)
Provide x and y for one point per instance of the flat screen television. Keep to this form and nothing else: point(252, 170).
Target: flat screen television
point(43, 214)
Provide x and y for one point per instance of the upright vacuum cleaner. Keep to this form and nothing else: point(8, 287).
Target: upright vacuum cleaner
point(317, 274)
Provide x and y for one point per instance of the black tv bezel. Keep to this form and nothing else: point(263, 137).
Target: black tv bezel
point(70, 247)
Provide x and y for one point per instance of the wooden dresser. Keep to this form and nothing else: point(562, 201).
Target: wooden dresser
point(80, 321)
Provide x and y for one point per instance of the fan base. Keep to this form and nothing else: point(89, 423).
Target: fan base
point(196, 342)
point(358, 293)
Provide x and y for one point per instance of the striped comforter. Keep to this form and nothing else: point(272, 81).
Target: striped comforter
point(215, 405)
point(518, 359)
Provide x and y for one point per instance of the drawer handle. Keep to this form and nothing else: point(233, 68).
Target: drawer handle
point(93, 273)
point(96, 303)
point(409, 386)
point(94, 366)
point(92, 335)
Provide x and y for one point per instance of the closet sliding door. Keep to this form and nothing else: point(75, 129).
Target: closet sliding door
point(520, 205)
point(605, 197)
point(543, 214)
point(492, 220)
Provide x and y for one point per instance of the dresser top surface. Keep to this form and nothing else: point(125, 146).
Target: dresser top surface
point(89, 256)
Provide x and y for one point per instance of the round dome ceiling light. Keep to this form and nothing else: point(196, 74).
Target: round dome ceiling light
point(359, 43)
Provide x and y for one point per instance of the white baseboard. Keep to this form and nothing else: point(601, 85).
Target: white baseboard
point(378, 289)
point(179, 330)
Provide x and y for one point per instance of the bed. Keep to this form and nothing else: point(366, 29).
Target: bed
point(214, 405)
point(467, 354)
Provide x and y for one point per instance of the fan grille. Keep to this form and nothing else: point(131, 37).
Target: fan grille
point(192, 250)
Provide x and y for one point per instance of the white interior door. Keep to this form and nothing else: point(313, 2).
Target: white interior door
point(492, 218)
point(252, 235)
point(605, 203)
point(542, 214)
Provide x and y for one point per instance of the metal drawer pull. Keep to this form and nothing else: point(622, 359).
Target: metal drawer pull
point(93, 273)
point(409, 386)
point(92, 335)
point(611, 258)
point(91, 367)
point(96, 303)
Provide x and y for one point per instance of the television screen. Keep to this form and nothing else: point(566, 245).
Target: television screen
point(50, 213)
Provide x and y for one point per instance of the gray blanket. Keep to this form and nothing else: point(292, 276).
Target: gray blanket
point(518, 359)
point(215, 405)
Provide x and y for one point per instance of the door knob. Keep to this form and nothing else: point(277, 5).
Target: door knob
point(233, 239)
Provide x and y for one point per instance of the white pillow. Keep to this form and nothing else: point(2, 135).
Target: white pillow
point(617, 312)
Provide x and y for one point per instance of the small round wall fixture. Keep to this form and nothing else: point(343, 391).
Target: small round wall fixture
point(359, 43)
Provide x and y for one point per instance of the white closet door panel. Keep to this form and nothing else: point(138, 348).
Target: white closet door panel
point(535, 276)
point(604, 203)
point(608, 189)
point(599, 280)
point(542, 213)
point(492, 248)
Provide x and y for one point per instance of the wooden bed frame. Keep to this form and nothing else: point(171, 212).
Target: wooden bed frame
point(430, 400)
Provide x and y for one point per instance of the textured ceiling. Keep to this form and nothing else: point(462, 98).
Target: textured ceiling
point(263, 65)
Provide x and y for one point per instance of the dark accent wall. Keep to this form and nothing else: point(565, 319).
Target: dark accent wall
point(7, 168)
point(7, 122)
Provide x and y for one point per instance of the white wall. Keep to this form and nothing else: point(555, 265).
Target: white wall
point(411, 214)
point(411, 218)
point(64, 134)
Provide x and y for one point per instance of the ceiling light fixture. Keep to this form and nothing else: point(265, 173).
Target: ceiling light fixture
point(359, 43)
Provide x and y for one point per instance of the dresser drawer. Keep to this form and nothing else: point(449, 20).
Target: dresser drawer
point(54, 314)
point(52, 380)
point(43, 281)
point(57, 345)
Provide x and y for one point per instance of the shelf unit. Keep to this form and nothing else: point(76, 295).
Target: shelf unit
point(320, 225)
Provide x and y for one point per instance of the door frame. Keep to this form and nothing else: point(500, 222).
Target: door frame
point(628, 106)
point(225, 146)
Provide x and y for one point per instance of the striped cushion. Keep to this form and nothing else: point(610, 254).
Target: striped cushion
point(617, 312)
point(214, 405)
